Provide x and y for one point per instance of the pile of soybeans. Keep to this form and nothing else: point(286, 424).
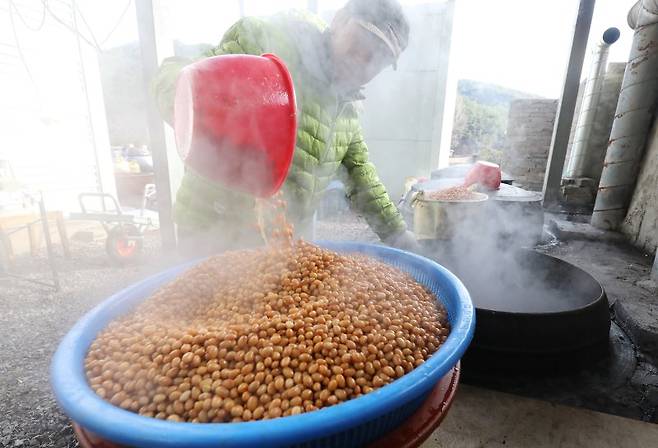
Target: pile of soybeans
point(458, 193)
point(265, 333)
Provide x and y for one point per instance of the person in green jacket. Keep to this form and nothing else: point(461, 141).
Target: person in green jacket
point(329, 66)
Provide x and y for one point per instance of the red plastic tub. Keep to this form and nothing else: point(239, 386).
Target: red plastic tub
point(354, 423)
point(235, 121)
point(486, 174)
point(410, 435)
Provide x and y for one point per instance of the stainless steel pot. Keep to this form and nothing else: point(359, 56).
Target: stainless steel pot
point(438, 219)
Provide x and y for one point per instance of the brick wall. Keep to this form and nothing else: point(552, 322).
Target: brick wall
point(528, 140)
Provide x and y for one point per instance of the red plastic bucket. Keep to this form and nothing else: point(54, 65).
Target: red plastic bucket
point(412, 433)
point(486, 174)
point(235, 121)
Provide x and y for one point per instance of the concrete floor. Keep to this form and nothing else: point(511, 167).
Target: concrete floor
point(622, 270)
point(486, 418)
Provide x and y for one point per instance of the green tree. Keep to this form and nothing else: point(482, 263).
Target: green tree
point(477, 126)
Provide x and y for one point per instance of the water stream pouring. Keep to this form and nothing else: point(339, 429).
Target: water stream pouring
point(235, 121)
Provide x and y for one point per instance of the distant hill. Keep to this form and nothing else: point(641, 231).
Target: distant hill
point(481, 118)
point(490, 94)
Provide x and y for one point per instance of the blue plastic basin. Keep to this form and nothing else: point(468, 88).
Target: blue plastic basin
point(353, 423)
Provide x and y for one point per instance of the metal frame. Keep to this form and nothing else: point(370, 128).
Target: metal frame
point(113, 215)
point(567, 105)
point(43, 217)
point(157, 141)
point(113, 219)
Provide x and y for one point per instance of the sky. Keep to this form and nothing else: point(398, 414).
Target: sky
point(520, 44)
point(524, 44)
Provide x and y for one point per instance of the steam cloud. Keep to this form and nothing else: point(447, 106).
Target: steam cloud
point(491, 254)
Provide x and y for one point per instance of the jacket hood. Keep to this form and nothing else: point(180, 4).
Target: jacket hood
point(312, 45)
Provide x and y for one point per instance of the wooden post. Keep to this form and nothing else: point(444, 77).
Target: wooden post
point(157, 142)
point(49, 245)
point(63, 236)
point(6, 251)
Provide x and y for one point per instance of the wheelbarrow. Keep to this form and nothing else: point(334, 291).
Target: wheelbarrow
point(125, 231)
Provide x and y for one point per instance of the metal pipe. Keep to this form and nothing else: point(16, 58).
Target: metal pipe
point(577, 166)
point(633, 119)
point(564, 118)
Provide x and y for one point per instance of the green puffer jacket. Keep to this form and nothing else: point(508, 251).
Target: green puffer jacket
point(328, 136)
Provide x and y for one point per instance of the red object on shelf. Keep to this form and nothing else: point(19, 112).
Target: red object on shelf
point(486, 174)
point(235, 121)
point(411, 434)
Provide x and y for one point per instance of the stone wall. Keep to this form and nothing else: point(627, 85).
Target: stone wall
point(528, 140)
point(641, 223)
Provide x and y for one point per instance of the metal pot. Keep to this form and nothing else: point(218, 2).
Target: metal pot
point(516, 216)
point(438, 219)
point(547, 316)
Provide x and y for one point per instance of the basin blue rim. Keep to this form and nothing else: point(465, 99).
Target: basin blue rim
point(83, 406)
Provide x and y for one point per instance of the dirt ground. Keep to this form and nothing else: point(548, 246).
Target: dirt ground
point(33, 318)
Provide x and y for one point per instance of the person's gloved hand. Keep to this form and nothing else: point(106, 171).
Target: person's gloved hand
point(404, 240)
